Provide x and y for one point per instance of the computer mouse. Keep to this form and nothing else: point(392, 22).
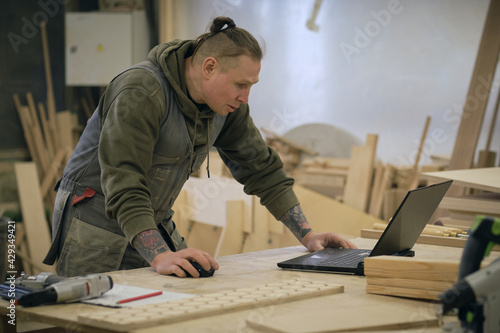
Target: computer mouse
point(203, 272)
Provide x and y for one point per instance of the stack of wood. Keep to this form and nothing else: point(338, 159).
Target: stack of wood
point(50, 140)
point(409, 277)
point(290, 152)
point(464, 209)
point(50, 136)
point(326, 175)
point(432, 234)
point(483, 198)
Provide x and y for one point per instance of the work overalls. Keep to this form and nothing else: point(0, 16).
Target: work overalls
point(86, 241)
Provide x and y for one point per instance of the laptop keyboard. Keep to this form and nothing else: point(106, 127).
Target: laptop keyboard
point(350, 259)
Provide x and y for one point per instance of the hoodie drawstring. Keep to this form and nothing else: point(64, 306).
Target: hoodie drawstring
point(192, 148)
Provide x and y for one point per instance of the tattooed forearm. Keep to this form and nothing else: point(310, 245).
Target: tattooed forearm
point(149, 243)
point(295, 220)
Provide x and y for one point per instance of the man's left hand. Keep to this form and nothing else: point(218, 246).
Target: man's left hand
point(315, 241)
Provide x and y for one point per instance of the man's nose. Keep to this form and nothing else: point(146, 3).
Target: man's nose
point(243, 96)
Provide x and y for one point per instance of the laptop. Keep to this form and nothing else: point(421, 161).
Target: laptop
point(397, 239)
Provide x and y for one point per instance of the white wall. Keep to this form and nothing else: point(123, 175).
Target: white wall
point(374, 66)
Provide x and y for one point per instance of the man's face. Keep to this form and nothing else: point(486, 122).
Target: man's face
point(225, 91)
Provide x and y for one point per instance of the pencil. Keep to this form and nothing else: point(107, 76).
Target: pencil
point(156, 293)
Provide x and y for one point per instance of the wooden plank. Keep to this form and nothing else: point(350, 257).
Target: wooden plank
point(409, 283)
point(422, 239)
point(359, 177)
point(413, 183)
point(48, 73)
point(377, 199)
point(412, 268)
point(47, 133)
point(66, 126)
point(460, 223)
point(309, 178)
point(332, 163)
point(167, 20)
point(86, 108)
point(37, 228)
point(53, 126)
point(475, 105)
point(486, 179)
point(486, 157)
point(275, 227)
point(326, 214)
point(23, 113)
point(371, 317)
point(278, 292)
point(290, 143)
point(42, 152)
point(376, 187)
point(392, 199)
point(260, 238)
point(204, 237)
point(233, 234)
point(484, 203)
point(183, 208)
point(429, 229)
point(54, 173)
point(404, 292)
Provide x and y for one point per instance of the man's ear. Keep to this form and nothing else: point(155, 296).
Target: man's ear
point(209, 66)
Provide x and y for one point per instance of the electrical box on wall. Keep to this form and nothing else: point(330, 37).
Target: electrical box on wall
point(99, 45)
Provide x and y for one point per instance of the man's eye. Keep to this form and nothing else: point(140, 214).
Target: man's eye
point(240, 85)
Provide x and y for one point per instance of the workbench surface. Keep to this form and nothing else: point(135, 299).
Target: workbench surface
point(253, 269)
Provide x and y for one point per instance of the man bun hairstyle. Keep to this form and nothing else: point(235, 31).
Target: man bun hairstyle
point(225, 41)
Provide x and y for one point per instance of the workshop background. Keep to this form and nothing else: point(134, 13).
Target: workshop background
point(359, 98)
point(373, 66)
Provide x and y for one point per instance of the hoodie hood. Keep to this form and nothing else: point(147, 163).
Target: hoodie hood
point(170, 58)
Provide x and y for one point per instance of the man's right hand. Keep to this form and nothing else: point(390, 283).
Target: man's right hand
point(154, 249)
point(178, 263)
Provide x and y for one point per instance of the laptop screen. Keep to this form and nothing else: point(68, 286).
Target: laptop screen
point(415, 210)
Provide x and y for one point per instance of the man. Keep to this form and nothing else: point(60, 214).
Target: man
point(154, 125)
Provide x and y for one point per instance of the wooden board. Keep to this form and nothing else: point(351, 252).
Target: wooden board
point(206, 305)
point(37, 228)
point(381, 185)
point(412, 268)
point(233, 234)
point(359, 176)
point(204, 237)
point(260, 238)
point(248, 270)
point(409, 283)
point(475, 105)
point(67, 125)
point(326, 214)
point(336, 318)
point(423, 239)
point(484, 203)
point(486, 179)
point(404, 292)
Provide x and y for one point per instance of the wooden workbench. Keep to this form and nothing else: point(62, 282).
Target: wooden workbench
point(248, 270)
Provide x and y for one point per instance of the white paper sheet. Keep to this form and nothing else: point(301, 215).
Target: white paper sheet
point(120, 292)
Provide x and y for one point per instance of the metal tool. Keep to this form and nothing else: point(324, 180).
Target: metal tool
point(39, 281)
point(476, 295)
point(68, 290)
